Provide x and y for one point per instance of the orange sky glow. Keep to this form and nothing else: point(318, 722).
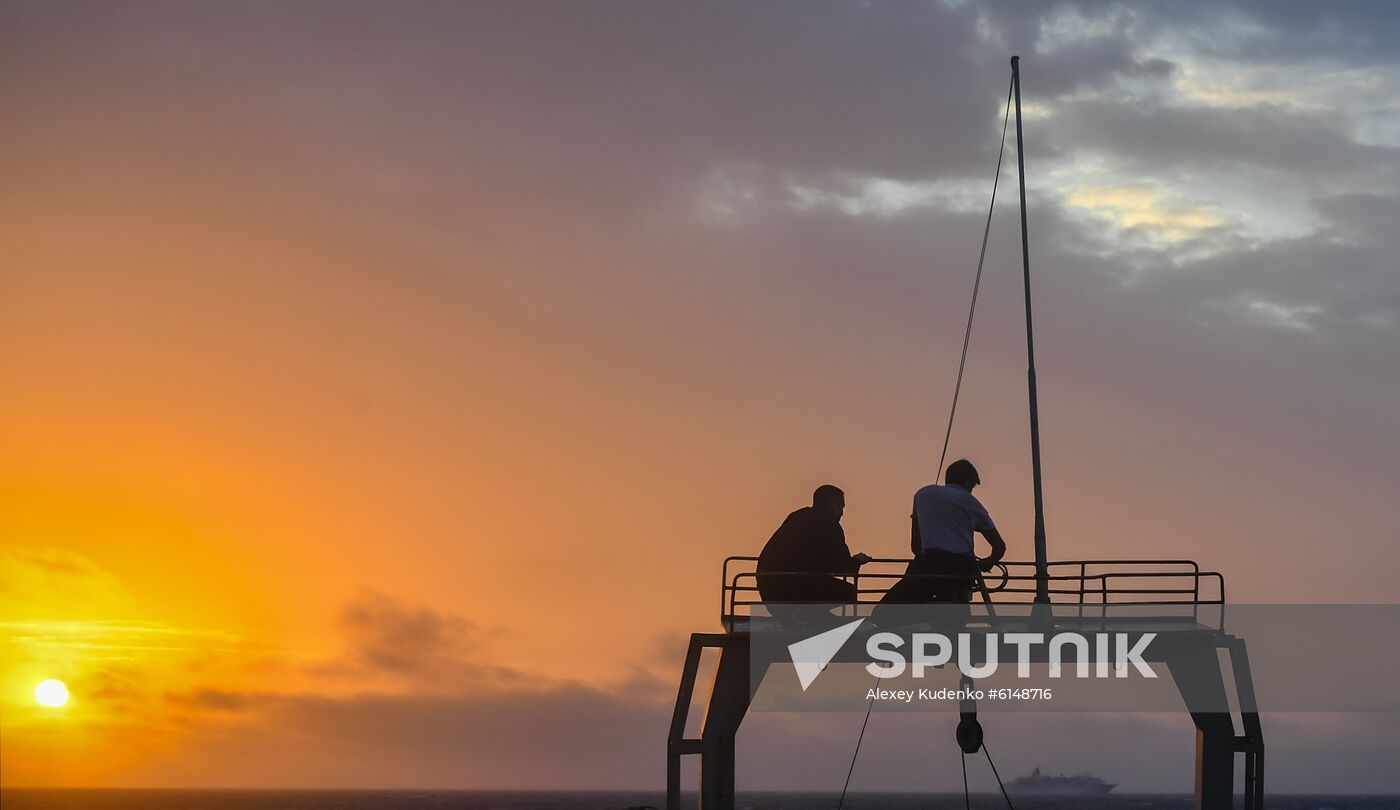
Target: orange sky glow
point(333, 402)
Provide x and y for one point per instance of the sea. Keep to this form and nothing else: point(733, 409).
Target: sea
point(106, 799)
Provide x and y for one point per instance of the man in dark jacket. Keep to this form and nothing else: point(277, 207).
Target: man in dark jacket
point(805, 556)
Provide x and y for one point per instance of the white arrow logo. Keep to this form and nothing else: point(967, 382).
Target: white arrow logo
point(811, 655)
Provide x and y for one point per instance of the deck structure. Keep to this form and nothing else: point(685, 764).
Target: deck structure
point(1175, 599)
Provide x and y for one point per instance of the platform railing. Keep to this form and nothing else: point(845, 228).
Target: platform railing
point(1096, 583)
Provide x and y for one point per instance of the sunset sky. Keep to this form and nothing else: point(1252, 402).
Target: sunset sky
point(385, 383)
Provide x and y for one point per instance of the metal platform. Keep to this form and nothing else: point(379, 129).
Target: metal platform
point(1173, 598)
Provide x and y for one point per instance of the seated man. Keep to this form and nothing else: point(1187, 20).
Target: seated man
point(944, 568)
point(801, 558)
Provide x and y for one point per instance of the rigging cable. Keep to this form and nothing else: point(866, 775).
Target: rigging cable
point(850, 770)
point(947, 434)
point(994, 773)
point(967, 794)
point(976, 287)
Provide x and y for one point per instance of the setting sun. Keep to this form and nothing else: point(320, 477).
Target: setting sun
point(51, 692)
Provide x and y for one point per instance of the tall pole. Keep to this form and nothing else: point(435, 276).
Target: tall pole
point(1042, 582)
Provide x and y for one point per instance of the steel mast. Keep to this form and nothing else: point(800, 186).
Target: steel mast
point(1042, 585)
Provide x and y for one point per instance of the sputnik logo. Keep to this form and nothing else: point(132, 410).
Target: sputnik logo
point(1113, 655)
point(811, 655)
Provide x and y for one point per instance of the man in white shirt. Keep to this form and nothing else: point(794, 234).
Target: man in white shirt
point(945, 566)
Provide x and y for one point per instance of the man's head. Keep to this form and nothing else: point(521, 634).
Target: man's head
point(830, 499)
point(961, 473)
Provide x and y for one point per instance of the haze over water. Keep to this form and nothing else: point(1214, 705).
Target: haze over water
point(610, 800)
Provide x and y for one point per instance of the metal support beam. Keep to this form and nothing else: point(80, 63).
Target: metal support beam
point(729, 702)
point(1215, 761)
point(1251, 742)
point(1196, 670)
point(677, 745)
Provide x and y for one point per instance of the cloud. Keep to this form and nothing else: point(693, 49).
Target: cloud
point(424, 707)
point(1154, 139)
point(1284, 32)
point(217, 699)
point(390, 643)
point(566, 737)
point(385, 633)
point(592, 739)
point(31, 576)
point(499, 735)
point(1136, 207)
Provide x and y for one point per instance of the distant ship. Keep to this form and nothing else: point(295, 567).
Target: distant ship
point(1038, 785)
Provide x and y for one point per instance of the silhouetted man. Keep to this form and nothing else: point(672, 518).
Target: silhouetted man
point(800, 559)
point(944, 520)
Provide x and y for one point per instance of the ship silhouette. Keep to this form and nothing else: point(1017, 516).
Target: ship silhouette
point(1039, 785)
